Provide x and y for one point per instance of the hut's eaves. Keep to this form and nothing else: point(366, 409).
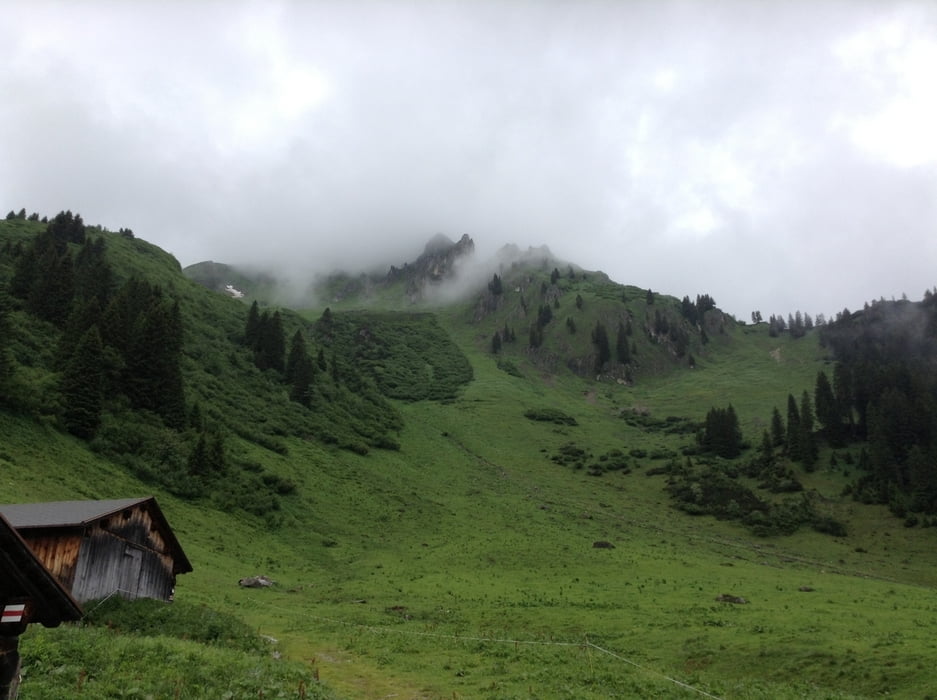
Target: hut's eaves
point(24, 575)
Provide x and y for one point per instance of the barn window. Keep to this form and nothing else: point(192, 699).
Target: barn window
point(127, 513)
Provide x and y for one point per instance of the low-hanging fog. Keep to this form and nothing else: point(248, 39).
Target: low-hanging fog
point(778, 156)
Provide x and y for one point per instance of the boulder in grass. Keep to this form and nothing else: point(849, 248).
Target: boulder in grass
point(726, 598)
point(256, 582)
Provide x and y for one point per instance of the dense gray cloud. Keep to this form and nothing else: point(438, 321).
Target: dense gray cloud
point(779, 156)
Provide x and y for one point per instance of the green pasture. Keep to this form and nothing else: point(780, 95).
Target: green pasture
point(463, 561)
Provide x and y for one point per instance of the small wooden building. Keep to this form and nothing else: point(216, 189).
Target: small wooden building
point(28, 593)
point(98, 548)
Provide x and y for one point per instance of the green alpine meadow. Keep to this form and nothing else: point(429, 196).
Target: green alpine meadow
point(528, 482)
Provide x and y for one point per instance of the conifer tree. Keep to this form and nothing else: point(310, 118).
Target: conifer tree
point(300, 370)
point(721, 433)
point(827, 409)
point(196, 422)
point(53, 287)
point(766, 451)
point(622, 346)
point(85, 313)
point(197, 463)
point(603, 352)
point(296, 356)
point(271, 343)
point(507, 334)
point(496, 343)
point(808, 444)
point(777, 428)
point(153, 362)
point(252, 327)
point(67, 228)
point(303, 379)
point(93, 275)
point(82, 387)
point(793, 440)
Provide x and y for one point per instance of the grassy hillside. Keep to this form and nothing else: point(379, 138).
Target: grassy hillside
point(464, 562)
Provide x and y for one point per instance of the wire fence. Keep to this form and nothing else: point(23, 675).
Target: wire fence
point(506, 640)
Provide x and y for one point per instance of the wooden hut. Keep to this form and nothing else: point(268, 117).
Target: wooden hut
point(99, 548)
point(28, 593)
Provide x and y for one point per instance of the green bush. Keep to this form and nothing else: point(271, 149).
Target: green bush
point(550, 415)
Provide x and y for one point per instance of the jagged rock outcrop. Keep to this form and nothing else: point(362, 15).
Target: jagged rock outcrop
point(437, 263)
point(438, 260)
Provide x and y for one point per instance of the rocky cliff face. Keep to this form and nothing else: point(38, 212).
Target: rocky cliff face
point(436, 264)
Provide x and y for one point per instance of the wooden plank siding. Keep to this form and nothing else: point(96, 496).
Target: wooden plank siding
point(58, 552)
point(108, 565)
point(123, 553)
point(99, 548)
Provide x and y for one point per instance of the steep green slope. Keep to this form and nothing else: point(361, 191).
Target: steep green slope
point(464, 562)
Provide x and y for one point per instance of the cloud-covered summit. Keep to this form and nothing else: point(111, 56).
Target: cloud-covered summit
point(775, 155)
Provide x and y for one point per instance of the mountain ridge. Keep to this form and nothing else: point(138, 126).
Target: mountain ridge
point(387, 512)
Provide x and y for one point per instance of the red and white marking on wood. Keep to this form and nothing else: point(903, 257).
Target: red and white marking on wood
point(13, 613)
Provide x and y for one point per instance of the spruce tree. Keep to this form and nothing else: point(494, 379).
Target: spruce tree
point(296, 357)
point(197, 463)
point(272, 343)
point(777, 428)
point(603, 352)
point(252, 327)
point(94, 278)
point(827, 409)
point(302, 383)
point(153, 363)
point(808, 443)
point(300, 370)
point(67, 228)
point(793, 440)
point(622, 346)
point(84, 314)
point(721, 433)
point(53, 288)
point(82, 387)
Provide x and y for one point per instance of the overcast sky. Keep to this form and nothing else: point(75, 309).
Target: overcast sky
point(779, 156)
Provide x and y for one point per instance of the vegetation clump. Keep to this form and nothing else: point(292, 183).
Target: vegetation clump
point(711, 490)
point(572, 455)
point(550, 415)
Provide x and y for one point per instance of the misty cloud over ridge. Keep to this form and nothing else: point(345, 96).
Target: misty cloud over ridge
point(777, 156)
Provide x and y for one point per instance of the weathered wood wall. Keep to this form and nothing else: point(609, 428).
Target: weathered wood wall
point(124, 553)
point(57, 552)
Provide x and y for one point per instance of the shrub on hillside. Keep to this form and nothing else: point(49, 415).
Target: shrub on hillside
point(550, 415)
